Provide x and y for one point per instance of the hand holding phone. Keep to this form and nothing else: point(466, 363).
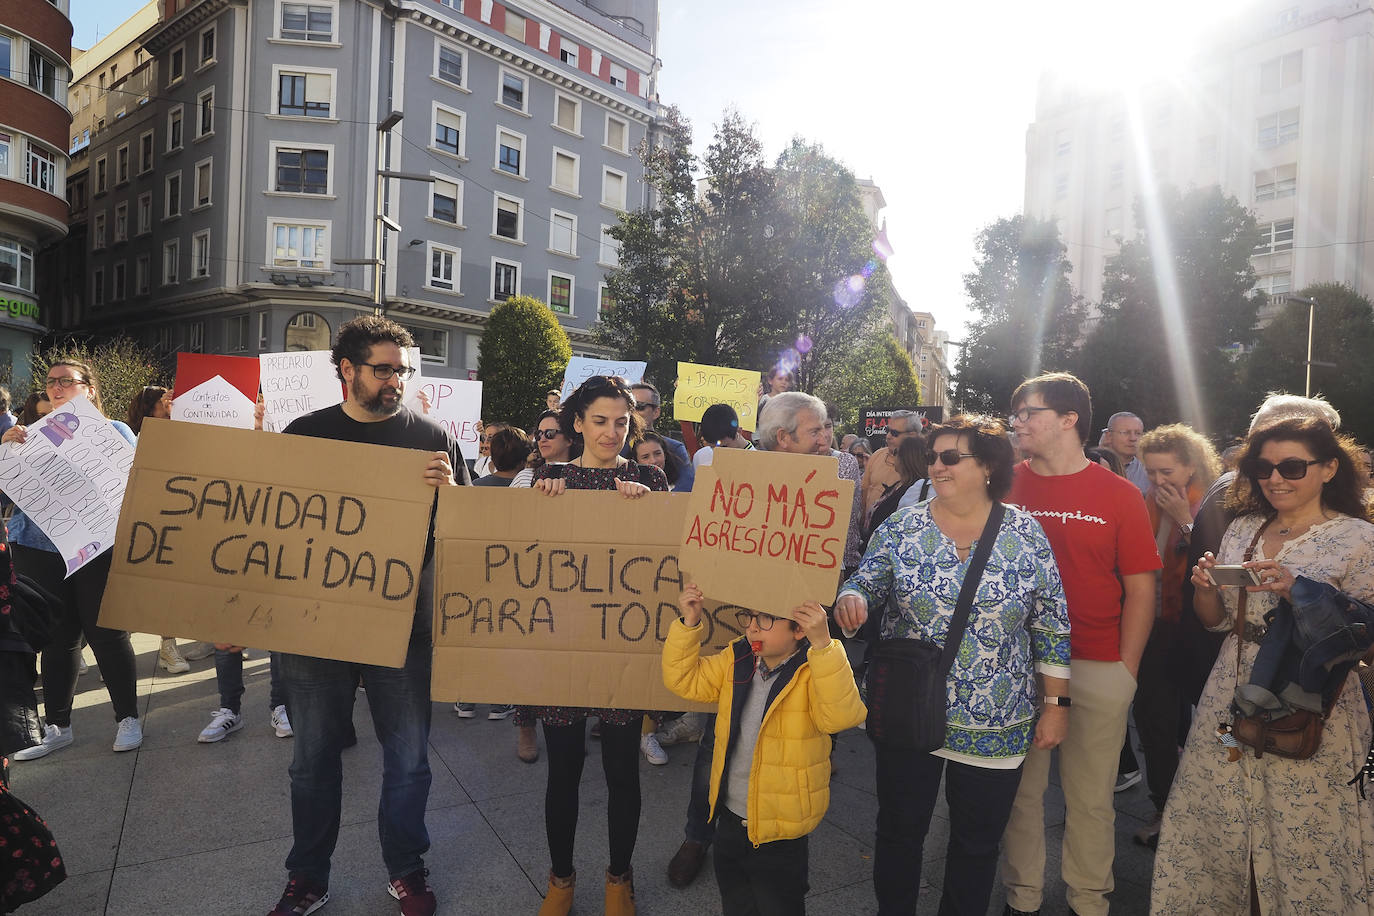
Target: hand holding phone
point(1231, 576)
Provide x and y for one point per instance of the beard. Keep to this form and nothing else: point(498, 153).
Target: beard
point(385, 403)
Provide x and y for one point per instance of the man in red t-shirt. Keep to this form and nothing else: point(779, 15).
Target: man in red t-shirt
point(1100, 531)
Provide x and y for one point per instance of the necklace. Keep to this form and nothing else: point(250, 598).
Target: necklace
point(1284, 532)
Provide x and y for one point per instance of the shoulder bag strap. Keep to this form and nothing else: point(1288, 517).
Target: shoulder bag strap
point(1239, 628)
point(969, 586)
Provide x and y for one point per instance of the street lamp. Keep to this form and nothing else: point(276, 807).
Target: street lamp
point(1311, 304)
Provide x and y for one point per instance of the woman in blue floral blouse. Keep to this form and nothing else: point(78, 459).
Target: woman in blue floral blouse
point(1018, 627)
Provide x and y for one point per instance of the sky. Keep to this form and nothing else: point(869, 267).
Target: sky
point(929, 100)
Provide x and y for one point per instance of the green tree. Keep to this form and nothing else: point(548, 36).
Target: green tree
point(1029, 317)
point(123, 366)
point(1343, 335)
point(523, 354)
point(878, 373)
point(1177, 300)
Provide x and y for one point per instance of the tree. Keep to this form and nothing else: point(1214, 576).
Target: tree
point(1343, 335)
point(523, 354)
point(879, 373)
point(1029, 317)
point(123, 367)
point(1176, 301)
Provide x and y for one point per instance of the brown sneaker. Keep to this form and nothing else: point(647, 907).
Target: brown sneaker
point(527, 744)
point(686, 863)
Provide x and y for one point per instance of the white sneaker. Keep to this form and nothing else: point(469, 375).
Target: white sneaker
point(170, 660)
point(194, 652)
point(653, 752)
point(81, 666)
point(54, 737)
point(686, 729)
point(281, 723)
point(128, 735)
point(223, 722)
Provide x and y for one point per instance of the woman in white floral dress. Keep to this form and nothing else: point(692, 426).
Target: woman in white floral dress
point(1295, 834)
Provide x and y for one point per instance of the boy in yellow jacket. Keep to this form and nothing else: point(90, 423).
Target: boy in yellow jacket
point(779, 701)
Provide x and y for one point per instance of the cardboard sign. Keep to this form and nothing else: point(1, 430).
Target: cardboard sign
point(456, 405)
point(69, 478)
point(295, 383)
point(288, 543)
point(216, 390)
point(698, 387)
point(766, 530)
point(560, 600)
point(581, 368)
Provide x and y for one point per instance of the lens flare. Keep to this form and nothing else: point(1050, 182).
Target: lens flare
point(803, 344)
point(849, 291)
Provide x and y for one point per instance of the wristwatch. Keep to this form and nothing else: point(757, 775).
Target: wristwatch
point(1058, 701)
point(1186, 530)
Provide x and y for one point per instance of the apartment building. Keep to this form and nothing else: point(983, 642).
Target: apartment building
point(1275, 111)
point(35, 67)
point(237, 209)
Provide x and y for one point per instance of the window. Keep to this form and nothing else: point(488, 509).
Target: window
point(1277, 129)
point(142, 275)
point(604, 301)
point(121, 224)
point(176, 68)
point(98, 231)
point(43, 75)
point(102, 175)
point(164, 338)
point(1281, 72)
point(200, 254)
point(307, 22)
point(207, 46)
point(171, 196)
point(1276, 236)
point(1063, 143)
point(515, 25)
point(195, 337)
point(433, 343)
point(145, 153)
point(443, 268)
point(202, 183)
point(171, 256)
point(1115, 175)
point(5, 155)
point(610, 249)
point(205, 106)
point(567, 114)
point(145, 212)
point(563, 233)
point(617, 76)
point(560, 293)
point(613, 188)
point(449, 65)
point(1278, 284)
point(617, 134)
point(509, 150)
point(509, 219)
point(122, 164)
point(298, 245)
point(305, 95)
point(98, 286)
point(445, 201)
point(505, 280)
point(264, 328)
point(42, 169)
point(448, 130)
point(1061, 185)
point(1273, 184)
point(117, 277)
point(16, 264)
point(6, 49)
point(302, 171)
point(565, 171)
point(236, 334)
point(512, 90)
point(567, 52)
point(174, 129)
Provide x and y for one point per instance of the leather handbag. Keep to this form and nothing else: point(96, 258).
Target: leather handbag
point(906, 684)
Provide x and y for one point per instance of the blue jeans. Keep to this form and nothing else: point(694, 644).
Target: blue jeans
point(229, 675)
point(319, 693)
point(699, 828)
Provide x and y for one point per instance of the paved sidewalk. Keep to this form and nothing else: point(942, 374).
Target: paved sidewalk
point(179, 827)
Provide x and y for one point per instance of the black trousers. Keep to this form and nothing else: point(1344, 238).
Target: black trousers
point(567, 751)
point(768, 881)
point(980, 802)
point(1162, 710)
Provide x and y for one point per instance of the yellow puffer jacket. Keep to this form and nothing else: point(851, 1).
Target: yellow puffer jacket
point(810, 699)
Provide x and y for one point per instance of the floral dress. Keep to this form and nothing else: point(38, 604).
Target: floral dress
point(1306, 830)
point(580, 478)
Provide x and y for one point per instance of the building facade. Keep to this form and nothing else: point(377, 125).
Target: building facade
point(1275, 112)
point(237, 210)
point(35, 68)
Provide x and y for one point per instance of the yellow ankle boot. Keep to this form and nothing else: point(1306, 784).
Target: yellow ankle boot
point(558, 901)
point(620, 893)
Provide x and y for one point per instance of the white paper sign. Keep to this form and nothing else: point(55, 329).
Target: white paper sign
point(296, 383)
point(69, 477)
point(412, 395)
point(456, 405)
point(581, 368)
point(215, 402)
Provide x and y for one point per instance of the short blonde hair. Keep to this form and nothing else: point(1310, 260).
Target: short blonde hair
point(1186, 444)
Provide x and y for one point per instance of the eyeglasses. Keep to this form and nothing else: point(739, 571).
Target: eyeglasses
point(1025, 413)
point(63, 382)
point(549, 434)
point(765, 621)
point(949, 457)
point(643, 405)
point(1288, 468)
point(384, 371)
point(895, 433)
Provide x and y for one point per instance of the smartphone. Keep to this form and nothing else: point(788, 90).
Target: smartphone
point(1232, 576)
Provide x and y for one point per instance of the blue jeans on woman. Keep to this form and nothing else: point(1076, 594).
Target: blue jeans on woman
point(229, 676)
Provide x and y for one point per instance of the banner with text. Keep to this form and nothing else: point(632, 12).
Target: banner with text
point(766, 530)
point(581, 368)
point(288, 543)
point(562, 600)
point(456, 405)
point(216, 390)
point(295, 383)
point(69, 478)
point(698, 387)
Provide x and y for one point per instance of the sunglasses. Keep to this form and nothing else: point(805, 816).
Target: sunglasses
point(949, 457)
point(1288, 468)
point(765, 621)
point(547, 434)
point(641, 405)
